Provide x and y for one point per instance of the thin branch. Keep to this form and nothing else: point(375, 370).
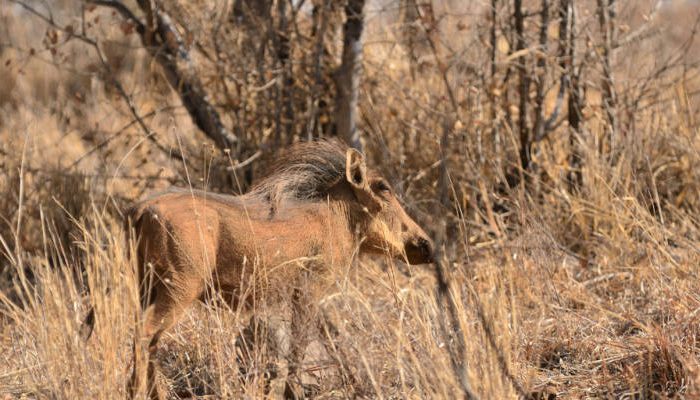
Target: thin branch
point(150, 135)
point(118, 133)
point(184, 81)
point(123, 10)
point(444, 293)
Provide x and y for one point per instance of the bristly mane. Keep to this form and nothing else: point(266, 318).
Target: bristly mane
point(303, 173)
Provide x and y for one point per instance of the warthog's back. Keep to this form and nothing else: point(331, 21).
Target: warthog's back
point(225, 241)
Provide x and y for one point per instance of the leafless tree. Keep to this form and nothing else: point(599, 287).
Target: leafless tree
point(347, 77)
point(164, 44)
point(284, 113)
point(541, 70)
point(524, 85)
point(319, 107)
point(411, 32)
point(567, 48)
point(606, 19)
point(493, 80)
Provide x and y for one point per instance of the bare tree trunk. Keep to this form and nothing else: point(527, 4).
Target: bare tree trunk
point(319, 107)
point(606, 16)
point(541, 71)
point(567, 43)
point(284, 113)
point(250, 12)
point(538, 129)
point(411, 31)
point(524, 88)
point(347, 77)
point(512, 177)
point(495, 133)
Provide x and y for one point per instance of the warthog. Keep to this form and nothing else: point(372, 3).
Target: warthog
point(319, 206)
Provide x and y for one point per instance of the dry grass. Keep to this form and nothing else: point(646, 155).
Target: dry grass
point(586, 295)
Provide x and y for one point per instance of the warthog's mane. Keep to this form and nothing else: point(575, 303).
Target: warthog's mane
point(302, 173)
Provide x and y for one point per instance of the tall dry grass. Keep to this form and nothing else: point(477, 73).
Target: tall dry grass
point(584, 294)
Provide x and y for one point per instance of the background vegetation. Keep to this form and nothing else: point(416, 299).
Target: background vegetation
point(549, 146)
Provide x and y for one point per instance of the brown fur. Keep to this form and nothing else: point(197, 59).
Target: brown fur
point(318, 207)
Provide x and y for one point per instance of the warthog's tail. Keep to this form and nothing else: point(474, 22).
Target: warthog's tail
point(133, 215)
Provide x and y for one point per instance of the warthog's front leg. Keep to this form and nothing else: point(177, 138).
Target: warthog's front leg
point(285, 336)
point(303, 311)
point(279, 341)
point(168, 305)
point(268, 335)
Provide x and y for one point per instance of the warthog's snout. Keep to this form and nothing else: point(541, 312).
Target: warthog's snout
point(420, 250)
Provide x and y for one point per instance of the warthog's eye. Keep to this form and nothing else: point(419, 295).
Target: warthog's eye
point(382, 187)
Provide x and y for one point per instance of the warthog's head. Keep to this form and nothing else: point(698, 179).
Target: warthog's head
point(389, 230)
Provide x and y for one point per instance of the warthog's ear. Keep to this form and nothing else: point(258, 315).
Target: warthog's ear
point(356, 174)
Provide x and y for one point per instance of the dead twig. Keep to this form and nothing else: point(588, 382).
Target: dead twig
point(169, 51)
point(150, 135)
